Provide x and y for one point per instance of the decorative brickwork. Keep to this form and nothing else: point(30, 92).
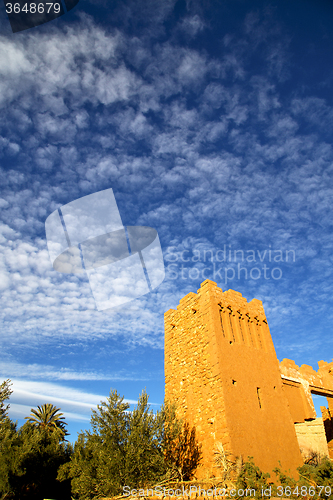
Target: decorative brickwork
point(221, 370)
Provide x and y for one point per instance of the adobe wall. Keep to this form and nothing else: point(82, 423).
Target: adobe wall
point(298, 384)
point(192, 376)
point(328, 425)
point(311, 437)
point(222, 371)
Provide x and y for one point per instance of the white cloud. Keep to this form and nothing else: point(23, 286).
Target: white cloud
point(192, 25)
point(48, 372)
point(12, 60)
point(193, 145)
point(74, 403)
point(20, 411)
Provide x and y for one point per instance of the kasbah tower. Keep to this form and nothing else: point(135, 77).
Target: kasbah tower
point(222, 372)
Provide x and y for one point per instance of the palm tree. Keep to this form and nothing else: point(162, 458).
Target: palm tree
point(47, 417)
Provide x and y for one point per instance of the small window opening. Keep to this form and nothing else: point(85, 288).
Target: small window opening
point(259, 397)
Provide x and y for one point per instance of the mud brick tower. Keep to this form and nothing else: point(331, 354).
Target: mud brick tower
point(222, 371)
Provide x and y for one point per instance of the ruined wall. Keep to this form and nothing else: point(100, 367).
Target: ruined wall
point(222, 371)
point(311, 437)
point(328, 426)
point(299, 400)
point(299, 383)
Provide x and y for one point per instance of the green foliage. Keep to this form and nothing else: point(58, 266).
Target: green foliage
point(324, 473)
point(183, 453)
point(283, 479)
point(128, 449)
point(9, 463)
point(84, 469)
point(143, 458)
point(318, 475)
point(29, 461)
point(170, 425)
point(252, 477)
point(48, 417)
point(313, 477)
point(5, 393)
point(31, 456)
point(123, 448)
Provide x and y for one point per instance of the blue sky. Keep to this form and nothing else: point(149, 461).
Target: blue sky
point(212, 123)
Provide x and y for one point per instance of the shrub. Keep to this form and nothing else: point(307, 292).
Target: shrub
point(133, 449)
point(29, 464)
point(251, 477)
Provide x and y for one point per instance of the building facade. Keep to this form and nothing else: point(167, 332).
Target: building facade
point(222, 372)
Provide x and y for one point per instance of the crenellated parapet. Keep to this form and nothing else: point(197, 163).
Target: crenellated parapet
point(321, 379)
point(244, 322)
point(316, 382)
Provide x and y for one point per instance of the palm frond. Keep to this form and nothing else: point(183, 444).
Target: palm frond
point(48, 416)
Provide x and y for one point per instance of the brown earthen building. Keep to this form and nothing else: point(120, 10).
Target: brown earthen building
point(222, 372)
